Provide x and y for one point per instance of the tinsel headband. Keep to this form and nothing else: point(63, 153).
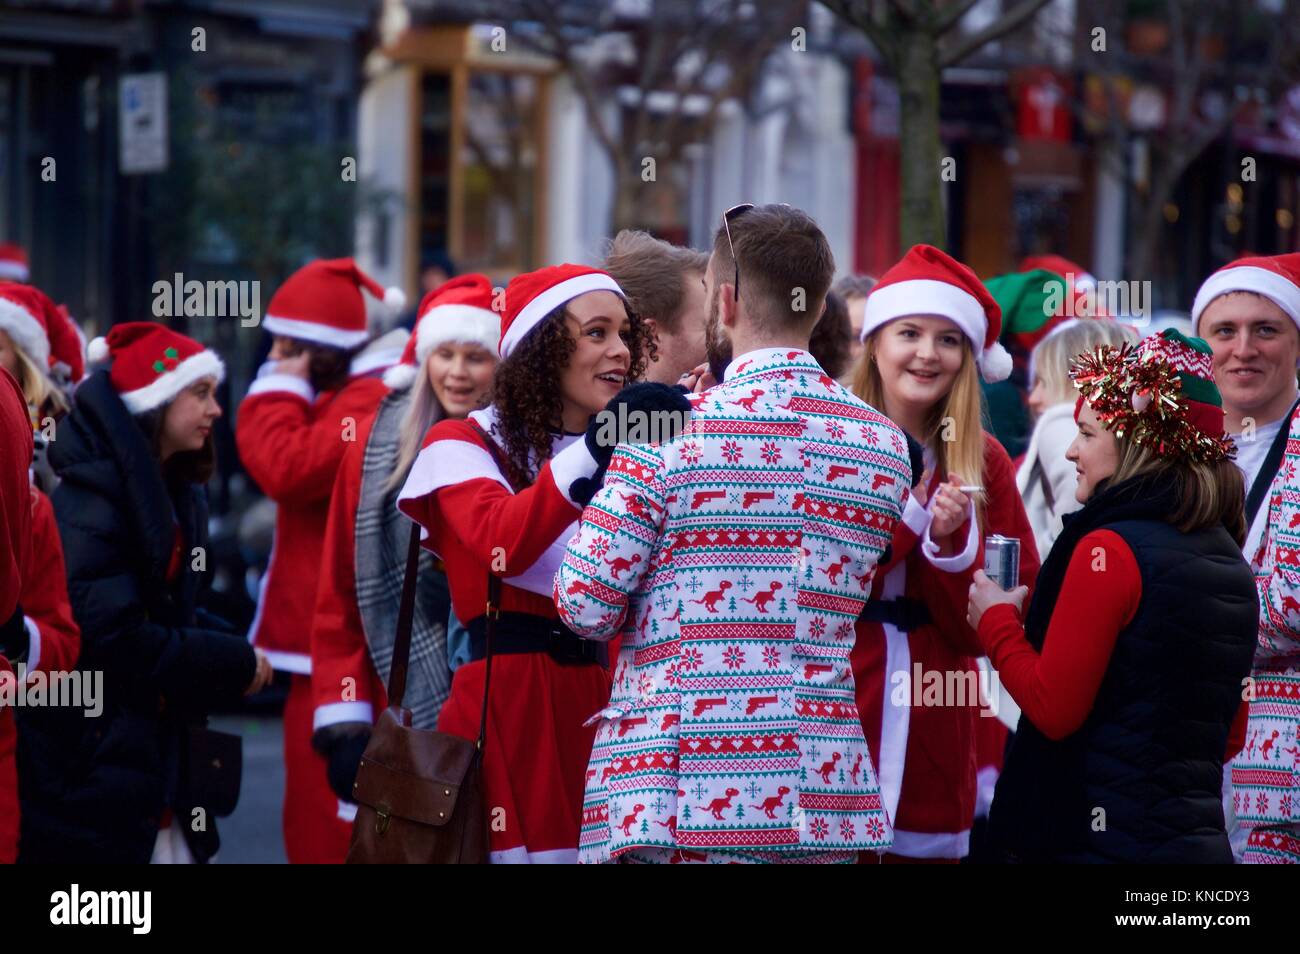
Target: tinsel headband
point(1161, 394)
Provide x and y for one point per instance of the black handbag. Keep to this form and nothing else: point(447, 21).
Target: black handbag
point(214, 768)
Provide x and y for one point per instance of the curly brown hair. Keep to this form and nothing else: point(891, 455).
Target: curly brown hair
point(526, 394)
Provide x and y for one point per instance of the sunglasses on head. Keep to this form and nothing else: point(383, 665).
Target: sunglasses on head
point(734, 213)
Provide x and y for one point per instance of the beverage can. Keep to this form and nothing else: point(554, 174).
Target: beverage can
point(1002, 560)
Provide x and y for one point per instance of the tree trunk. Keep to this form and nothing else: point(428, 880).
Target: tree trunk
point(920, 151)
point(625, 213)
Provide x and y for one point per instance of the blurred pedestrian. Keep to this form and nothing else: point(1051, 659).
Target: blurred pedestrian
point(294, 426)
point(1045, 478)
point(445, 373)
point(931, 331)
point(854, 289)
point(498, 495)
point(832, 342)
point(1249, 312)
point(1129, 663)
point(13, 262)
point(664, 284)
point(733, 560)
point(135, 782)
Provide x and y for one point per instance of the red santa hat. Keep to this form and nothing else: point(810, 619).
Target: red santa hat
point(26, 314)
point(928, 281)
point(67, 346)
point(322, 303)
point(1060, 265)
point(152, 364)
point(13, 262)
point(459, 311)
point(1276, 277)
point(534, 295)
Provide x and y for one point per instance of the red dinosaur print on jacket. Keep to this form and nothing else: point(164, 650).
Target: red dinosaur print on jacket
point(761, 600)
point(828, 767)
point(719, 805)
point(773, 802)
point(712, 598)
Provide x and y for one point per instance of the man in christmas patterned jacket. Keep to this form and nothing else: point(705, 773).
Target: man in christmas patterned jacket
point(1249, 312)
point(733, 559)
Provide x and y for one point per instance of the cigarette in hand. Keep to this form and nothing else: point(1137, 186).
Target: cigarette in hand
point(971, 489)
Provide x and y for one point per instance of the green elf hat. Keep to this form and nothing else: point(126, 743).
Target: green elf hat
point(1032, 303)
point(1161, 393)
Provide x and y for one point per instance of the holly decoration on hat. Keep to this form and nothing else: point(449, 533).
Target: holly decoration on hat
point(168, 362)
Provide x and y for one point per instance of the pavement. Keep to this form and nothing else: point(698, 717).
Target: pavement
point(253, 833)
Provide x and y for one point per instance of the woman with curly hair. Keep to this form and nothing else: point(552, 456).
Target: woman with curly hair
point(499, 494)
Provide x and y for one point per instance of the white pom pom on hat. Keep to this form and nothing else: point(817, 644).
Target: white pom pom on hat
point(97, 350)
point(399, 377)
point(394, 298)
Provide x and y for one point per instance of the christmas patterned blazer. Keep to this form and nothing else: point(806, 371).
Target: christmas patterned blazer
point(734, 560)
point(1266, 773)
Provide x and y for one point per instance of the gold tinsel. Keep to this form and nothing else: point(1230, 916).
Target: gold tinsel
point(1144, 400)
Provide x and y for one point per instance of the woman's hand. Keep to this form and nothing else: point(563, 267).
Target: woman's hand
point(262, 677)
point(948, 508)
point(985, 593)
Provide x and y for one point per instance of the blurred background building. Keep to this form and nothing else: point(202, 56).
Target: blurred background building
point(213, 137)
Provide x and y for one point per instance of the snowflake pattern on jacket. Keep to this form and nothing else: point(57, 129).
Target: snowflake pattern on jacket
point(1266, 773)
point(734, 560)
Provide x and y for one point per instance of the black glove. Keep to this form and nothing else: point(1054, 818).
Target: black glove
point(915, 454)
point(644, 397)
point(342, 760)
point(15, 641)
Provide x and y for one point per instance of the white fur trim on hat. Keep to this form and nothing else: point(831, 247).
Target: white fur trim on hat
point(532, 313)
point(311, 331)
point(26, 331)
point(14, 271)
point(163, 389)
point(1277, 289)
point(926, 296)
point(456, 323)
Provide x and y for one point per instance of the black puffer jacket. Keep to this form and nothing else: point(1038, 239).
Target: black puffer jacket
point(94, 789)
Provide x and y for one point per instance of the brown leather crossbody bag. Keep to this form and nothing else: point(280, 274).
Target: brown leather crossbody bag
point(419, 793)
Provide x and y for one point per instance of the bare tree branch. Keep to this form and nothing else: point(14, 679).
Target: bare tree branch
point(948, 18)
point(1003, 25)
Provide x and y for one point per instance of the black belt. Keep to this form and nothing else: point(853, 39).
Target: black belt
point(526, 633)
point(903, 613)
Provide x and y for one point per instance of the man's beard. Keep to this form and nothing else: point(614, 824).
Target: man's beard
point(717, 347)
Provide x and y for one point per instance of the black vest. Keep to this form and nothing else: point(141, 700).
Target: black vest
point(1141, 780)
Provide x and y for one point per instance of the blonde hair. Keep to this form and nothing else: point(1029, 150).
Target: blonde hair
point(957, 415)
point(422, 412)
point(1053, 355)
point(42, 394)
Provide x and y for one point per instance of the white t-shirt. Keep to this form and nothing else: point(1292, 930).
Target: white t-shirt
point(1251, 453)
point(1250, 457)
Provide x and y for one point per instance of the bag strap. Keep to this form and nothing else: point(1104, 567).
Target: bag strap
point(493, 614)
point(1268, 469)
point(405, 616)
point(1049, 498)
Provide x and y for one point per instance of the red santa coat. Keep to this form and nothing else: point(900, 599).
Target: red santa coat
point(339, 651)
point(927, 753)
point(292, 443)
point(55, 638)
point(537, 746)
point(15, 554)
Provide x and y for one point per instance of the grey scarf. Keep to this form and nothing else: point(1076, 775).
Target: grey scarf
point(382, 536)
